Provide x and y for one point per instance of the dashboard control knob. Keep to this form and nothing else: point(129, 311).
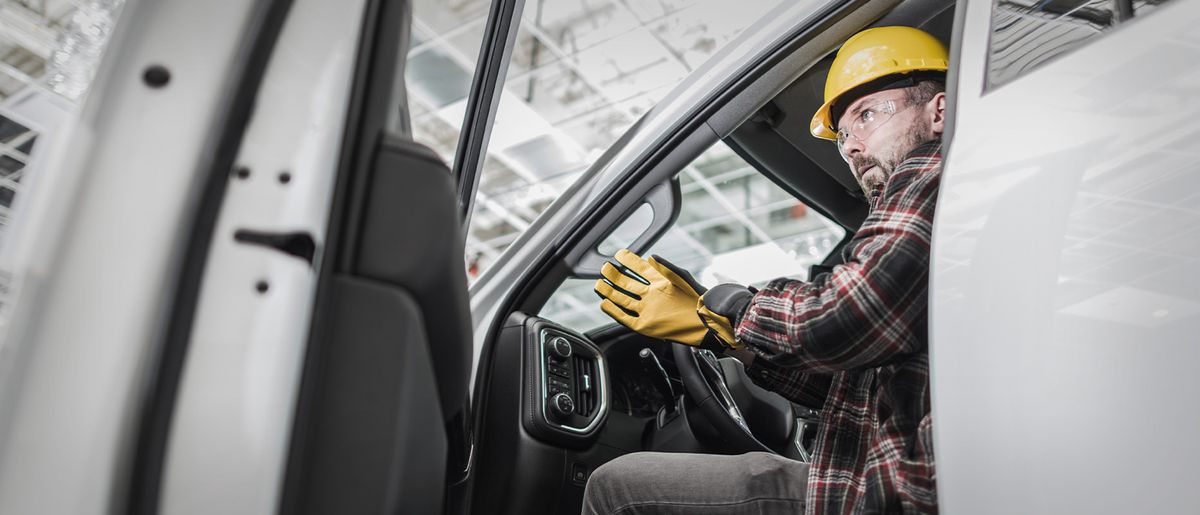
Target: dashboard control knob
point(560, 348)
point(561, 406)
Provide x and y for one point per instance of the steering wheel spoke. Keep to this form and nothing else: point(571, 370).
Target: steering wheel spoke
point(706, 385)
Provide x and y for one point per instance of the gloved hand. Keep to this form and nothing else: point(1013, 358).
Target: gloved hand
point(660, 305)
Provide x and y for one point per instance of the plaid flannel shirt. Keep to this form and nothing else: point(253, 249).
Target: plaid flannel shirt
point(853, 343)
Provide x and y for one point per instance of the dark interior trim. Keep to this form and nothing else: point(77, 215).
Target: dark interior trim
point(789, 168)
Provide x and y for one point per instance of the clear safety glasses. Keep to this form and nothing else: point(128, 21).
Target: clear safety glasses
point(866, 121)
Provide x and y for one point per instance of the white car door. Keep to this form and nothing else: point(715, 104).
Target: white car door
point(107, 236)
point(185, 336)
point(1064, 305)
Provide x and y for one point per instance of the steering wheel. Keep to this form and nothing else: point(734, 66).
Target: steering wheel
point(704, 380)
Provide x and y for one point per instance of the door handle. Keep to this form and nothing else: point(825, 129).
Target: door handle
point(299, 244)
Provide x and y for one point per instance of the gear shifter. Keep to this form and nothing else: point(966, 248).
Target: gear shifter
point(654, 367)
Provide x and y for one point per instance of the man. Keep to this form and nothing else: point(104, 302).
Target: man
point(851, 342)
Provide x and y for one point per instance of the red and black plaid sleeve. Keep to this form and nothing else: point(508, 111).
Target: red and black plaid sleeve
point(869, 310)
point(806, 389)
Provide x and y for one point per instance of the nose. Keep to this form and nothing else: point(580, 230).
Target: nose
point(851, 147)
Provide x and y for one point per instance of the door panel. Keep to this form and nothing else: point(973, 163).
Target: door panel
point(255, 299)
point(1063, 293)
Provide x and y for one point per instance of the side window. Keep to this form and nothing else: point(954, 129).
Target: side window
point(1029, 33)
point(446, 40)
point(625, 234)
point(735, 226)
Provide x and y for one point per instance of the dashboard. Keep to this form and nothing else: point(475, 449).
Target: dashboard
point(637, 388)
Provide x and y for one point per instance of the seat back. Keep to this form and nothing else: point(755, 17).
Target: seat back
point(388, 365)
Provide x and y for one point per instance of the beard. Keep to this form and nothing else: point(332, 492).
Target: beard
point(920, 132)
point(872, 185)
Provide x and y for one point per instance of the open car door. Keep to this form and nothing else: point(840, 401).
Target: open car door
point(281, 324)
point(351, 343)
point(382, 421)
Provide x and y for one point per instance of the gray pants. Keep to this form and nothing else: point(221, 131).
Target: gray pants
point(667, 483)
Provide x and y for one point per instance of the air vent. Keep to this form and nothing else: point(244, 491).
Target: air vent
point(585, 385)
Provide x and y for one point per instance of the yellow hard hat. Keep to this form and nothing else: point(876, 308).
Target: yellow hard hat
point(873, 54)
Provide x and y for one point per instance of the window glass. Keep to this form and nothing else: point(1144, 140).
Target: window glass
point(580, 75)
point(1028, 33)
point(628, 231)
point(735, 225)
point(446, 39)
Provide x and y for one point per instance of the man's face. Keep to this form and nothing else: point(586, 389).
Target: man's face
point(879, 130)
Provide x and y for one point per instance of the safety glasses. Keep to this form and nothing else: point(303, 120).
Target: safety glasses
point(866, 121)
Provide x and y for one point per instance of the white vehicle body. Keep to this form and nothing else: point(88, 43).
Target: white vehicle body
point(1063, 286)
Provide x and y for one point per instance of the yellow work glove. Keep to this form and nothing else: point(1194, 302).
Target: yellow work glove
point(660, 305)
point(719, 325)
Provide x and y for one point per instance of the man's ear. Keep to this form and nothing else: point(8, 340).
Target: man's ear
point(939, 113)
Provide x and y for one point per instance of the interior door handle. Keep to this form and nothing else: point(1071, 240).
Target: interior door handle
point(299, 243)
